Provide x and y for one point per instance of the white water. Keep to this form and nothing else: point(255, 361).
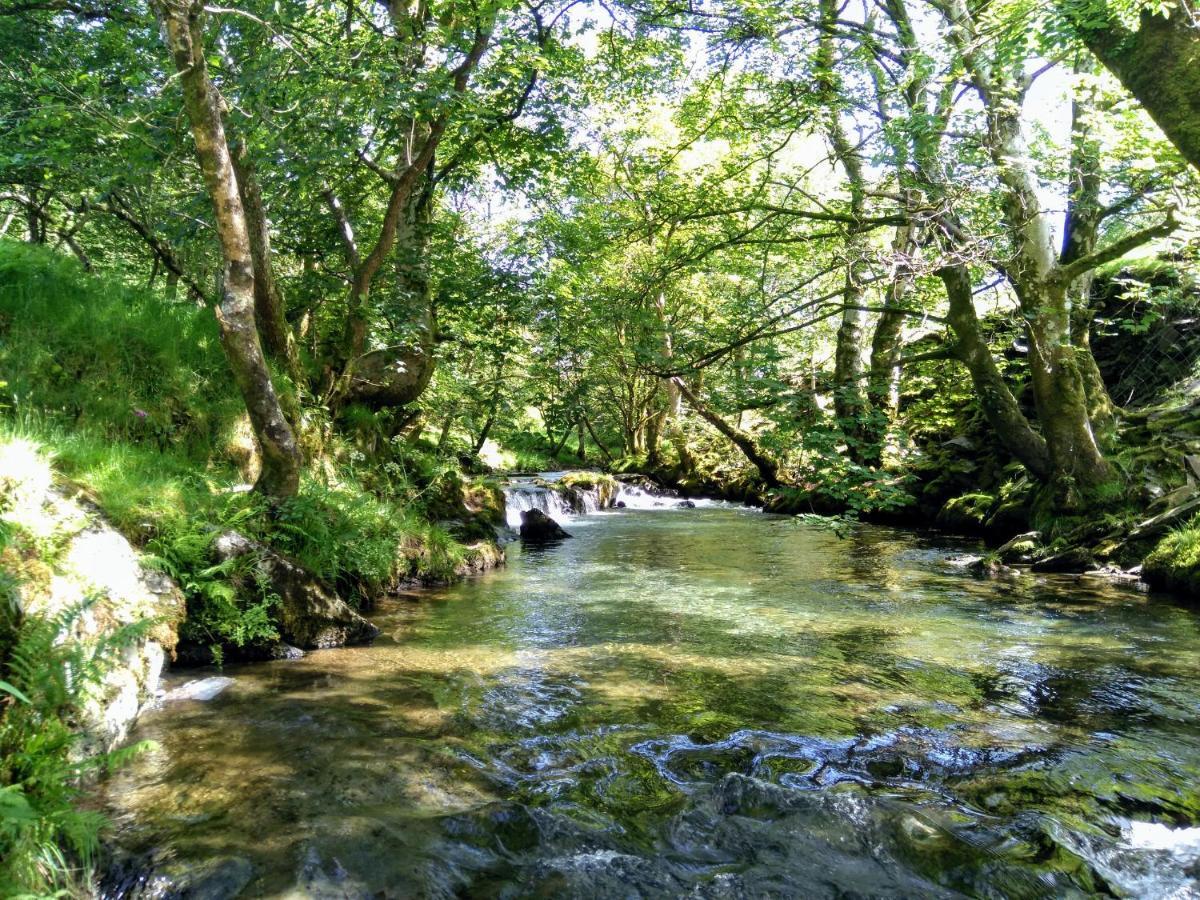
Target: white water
point(522, 494)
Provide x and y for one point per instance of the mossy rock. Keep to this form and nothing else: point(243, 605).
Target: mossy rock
point(1174, 564)
point(966, 514)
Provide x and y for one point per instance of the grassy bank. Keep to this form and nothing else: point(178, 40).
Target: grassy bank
point(128, 393)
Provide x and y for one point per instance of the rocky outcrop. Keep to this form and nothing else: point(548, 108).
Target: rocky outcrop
point(539, 528)
point(67, 556)
point(308, 615)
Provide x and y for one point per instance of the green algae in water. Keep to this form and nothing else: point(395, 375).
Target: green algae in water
point(712, 701)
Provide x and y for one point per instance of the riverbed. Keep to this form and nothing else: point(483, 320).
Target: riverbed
point(708, 702)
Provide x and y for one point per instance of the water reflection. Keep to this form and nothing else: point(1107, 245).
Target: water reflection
point(712, 703)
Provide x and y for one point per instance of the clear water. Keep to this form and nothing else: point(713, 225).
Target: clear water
point(704, 703)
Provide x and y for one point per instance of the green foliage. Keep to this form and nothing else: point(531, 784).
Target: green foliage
point(46, 842)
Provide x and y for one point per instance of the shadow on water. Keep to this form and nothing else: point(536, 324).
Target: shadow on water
point(714, 704)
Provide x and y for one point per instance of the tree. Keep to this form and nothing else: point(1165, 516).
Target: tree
point(183, 25)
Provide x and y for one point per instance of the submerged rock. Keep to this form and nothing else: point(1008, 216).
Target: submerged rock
point(686, 504)
point(991, 566)
point(1073, 560)
point(199, 689)
point(539, 528)
point(309, 615)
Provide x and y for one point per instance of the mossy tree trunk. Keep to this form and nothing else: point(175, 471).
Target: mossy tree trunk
point(1159, 63)
point(183, 23)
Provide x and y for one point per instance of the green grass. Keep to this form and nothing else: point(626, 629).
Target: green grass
point(94, 353)
point(129, 394)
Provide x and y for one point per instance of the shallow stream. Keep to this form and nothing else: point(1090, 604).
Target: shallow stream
point(708, 702)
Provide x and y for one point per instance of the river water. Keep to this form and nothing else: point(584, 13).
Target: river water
point(706, 703)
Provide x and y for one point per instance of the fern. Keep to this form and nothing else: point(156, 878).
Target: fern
point(46, 843)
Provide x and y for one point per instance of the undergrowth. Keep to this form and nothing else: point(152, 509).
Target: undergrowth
point(46, 842)
point(129, 394)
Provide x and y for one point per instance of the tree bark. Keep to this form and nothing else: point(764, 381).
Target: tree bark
point(767, 468)
point(277, 337)
point(280, 475)
point(1000, 407)
point(1159, 63)
point(883, 376)
point(1081, 233)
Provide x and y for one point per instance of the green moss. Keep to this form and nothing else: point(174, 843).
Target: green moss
point(967, 513)
point(1174, 564)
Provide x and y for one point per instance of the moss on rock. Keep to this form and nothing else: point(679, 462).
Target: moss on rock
point(1174, 564)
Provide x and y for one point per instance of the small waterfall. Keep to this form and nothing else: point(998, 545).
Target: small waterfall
point(522, 496)
point(531, 492)
point(636, 497)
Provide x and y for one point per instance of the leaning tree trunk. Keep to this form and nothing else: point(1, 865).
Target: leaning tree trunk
point(767, 468)
point(999, 406)
point(1159, 63)
point(277, 337)
point(280, 475)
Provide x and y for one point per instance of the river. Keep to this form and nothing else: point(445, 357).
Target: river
point(711, 703)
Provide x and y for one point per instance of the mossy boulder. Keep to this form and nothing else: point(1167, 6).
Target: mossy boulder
point(1174, 564)
point(967, 514)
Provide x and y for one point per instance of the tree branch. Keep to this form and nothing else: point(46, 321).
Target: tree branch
point(1068, 273)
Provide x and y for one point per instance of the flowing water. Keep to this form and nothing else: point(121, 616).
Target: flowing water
point(708, 702)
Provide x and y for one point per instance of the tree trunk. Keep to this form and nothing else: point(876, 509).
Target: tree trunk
point(1159, 63)
point(581, 448)
point(1058, 390)
point(280, 475)
point(767, 468)
point(849, 404)
point(883, 379)
point(1009, 425)
point(493, 405)
point(277, 337)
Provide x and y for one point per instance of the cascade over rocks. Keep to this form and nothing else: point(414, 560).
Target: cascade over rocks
point(309, 615)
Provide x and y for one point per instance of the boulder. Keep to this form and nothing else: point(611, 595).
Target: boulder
point(69, 558)
point(1020, 549)
point(309, 615)
point(966, 514)
point(686, 504)
point(1073, 559)
point(539, 528)
point(389, 378)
